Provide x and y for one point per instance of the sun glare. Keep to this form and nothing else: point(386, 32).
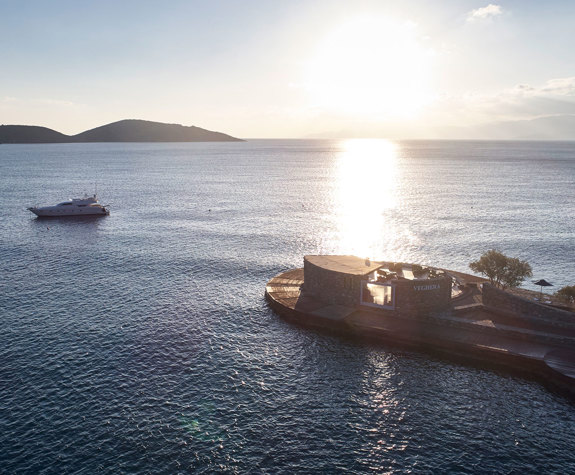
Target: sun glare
point(365, 189)
point(372, 68)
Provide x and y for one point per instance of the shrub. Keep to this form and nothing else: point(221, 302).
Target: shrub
point(502, 271)
point(566, 293)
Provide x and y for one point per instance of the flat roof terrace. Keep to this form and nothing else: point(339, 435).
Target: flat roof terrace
point(353, 265)
point(345, 264)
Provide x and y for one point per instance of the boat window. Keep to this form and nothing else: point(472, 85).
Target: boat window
point(64, 204)
point(79, 206)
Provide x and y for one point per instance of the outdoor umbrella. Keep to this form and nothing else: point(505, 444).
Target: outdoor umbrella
point(542, 283)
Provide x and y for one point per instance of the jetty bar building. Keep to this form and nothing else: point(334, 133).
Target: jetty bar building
point(429, 307)
point(402, 288)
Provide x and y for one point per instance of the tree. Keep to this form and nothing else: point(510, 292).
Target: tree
point(515, 272)
point(567, 293)
point(490, 265)
point(502, 271)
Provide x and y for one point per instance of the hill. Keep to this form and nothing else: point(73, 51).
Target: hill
point(145, 131)
point(122, 131)
point(558, 127)
point(555, 127)
point(30, 134)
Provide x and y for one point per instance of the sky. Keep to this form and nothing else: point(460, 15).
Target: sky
point(290, 69)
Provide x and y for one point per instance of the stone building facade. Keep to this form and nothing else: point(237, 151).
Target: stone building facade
point(423, 296)
point(347, 280)
point(334, 284)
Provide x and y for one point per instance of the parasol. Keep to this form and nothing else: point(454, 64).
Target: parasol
point(542, 283)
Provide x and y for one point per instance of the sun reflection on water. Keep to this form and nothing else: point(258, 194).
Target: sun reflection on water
point(365, 191)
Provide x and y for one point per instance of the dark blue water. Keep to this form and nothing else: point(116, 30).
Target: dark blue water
point(141, 342)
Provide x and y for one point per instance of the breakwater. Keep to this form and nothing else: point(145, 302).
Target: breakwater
point(475, 332)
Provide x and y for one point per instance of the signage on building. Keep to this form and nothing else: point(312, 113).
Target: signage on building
point(426, 287)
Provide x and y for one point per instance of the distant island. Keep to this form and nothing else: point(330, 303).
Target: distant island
point(122, 131)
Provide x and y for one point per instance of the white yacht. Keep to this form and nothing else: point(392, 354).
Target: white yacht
point(86, 206)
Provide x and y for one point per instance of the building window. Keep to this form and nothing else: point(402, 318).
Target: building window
point(377, 295)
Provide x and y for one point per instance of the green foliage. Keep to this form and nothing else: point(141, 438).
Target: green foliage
point(502, 271)
point(566, 293)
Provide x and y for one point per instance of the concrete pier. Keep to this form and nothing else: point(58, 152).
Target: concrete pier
point(468, 329)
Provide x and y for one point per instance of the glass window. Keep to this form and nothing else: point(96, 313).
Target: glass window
point(377, 295)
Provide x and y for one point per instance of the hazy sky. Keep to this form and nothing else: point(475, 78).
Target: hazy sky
point(286, 68)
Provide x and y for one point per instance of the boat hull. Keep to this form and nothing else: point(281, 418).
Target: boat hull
point(86, 206)
point(53, 212)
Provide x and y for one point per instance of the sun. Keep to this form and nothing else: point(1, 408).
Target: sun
point(371, 68)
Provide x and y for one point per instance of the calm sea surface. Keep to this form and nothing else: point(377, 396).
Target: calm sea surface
point(141, 341)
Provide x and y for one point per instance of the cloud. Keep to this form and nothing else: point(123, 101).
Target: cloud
point(484, 13)
point(536, 111)
point(560, 87)
point(557, 88)
point(524, 101)
point(553, 97)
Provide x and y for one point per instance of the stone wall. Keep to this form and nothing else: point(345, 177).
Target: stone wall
point(331, 287)
point(411, 296)
point(423, 296)
point(499, 300)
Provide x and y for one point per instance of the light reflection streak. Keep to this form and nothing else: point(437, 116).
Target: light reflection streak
point(365, 192)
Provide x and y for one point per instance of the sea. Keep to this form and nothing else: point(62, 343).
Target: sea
point(141, 342)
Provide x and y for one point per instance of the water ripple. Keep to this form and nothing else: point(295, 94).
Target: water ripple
point(141, 342)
